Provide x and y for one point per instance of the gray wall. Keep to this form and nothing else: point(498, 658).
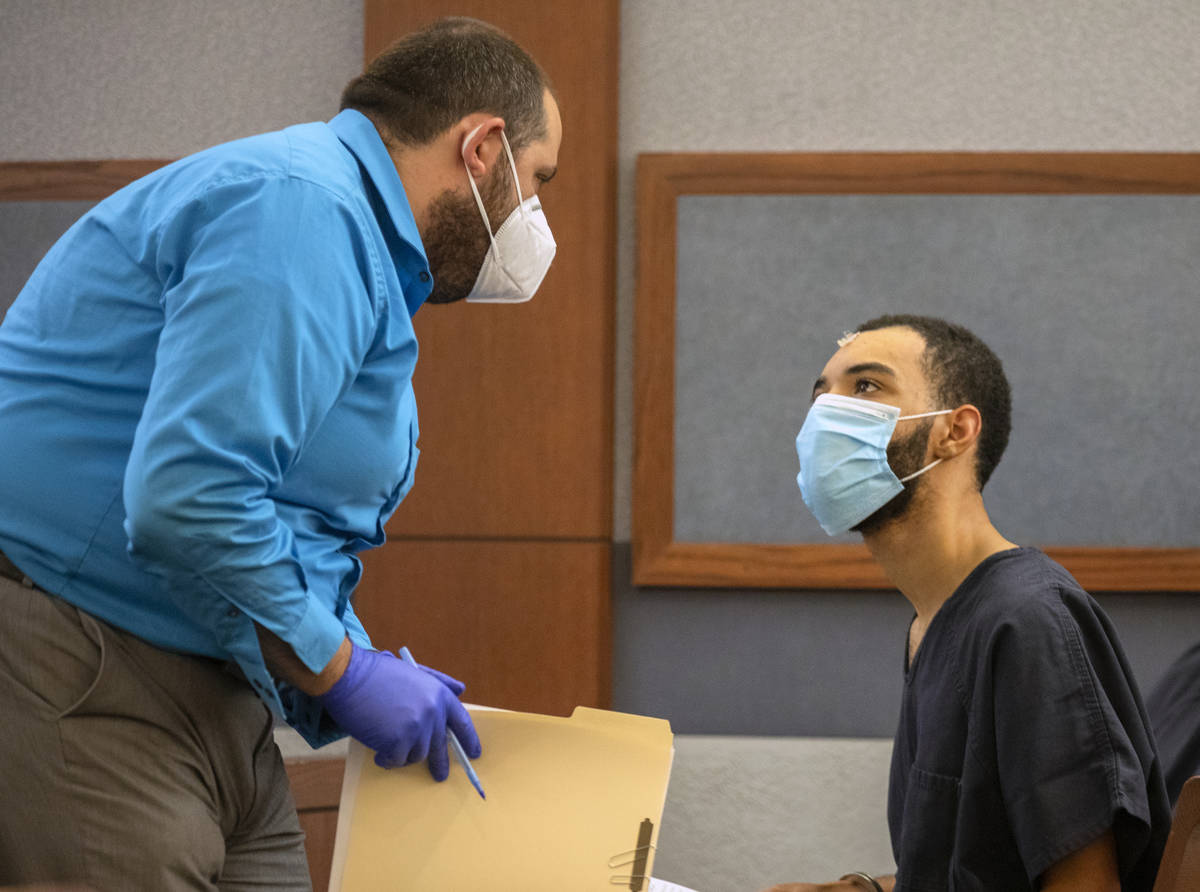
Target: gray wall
point(820, 664)
point(161, 78)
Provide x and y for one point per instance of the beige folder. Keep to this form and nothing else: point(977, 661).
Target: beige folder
point(572, 804)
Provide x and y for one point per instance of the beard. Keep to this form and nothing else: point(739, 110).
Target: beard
point(904, 457)
point(456, 240)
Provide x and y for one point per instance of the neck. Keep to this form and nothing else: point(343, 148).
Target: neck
point(928, 553)
point(425, 175)
point(412, 169)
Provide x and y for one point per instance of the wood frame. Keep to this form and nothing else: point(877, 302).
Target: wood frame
point(70, 180)
point(661, 178)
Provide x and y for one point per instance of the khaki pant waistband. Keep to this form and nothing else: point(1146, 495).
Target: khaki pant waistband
point(9, 570)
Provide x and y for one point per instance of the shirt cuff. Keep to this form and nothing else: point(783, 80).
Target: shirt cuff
point(318, 635)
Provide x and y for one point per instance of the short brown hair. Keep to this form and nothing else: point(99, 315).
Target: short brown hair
point(427, 81)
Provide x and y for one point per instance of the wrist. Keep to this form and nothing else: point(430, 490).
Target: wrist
point(283, 663)
point(861, 880)
point(335, 670)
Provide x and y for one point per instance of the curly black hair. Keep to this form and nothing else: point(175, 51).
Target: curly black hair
point(962, 369)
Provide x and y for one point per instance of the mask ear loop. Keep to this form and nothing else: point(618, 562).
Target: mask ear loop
point(925, 414)
point(512, 163)
point(913, 476)
point(936, 461)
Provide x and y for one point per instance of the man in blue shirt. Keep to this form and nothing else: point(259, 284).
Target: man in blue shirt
point(206, 413)
point(1023, 759)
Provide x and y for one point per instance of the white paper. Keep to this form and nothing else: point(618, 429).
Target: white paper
point(657, 885)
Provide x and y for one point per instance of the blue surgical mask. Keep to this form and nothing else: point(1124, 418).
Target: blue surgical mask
point(844, 472)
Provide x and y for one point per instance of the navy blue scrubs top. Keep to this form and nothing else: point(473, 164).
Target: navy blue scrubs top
point(1174, 707)
point(1022, 738)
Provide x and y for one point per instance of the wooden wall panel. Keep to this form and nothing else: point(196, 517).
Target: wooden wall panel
point(317, 788)
point(70, 180)
point(526, 625)
point(516, 401)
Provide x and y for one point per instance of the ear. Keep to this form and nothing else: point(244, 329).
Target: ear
point(478, 140)
point(962, 430)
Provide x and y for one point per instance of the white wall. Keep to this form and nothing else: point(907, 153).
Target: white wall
point(147, 78)
point(879, 75)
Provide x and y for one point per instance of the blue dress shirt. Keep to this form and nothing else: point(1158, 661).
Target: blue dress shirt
point(206, 404)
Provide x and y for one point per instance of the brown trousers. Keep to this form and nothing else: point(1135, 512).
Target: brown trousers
point(129, 767)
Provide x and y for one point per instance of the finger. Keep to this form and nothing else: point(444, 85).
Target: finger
point(387, 758)
point(448, 680)
point(419, 751)
point(460, 723)
point(439, 759)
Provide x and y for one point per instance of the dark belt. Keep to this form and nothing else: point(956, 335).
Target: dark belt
point(9, 570)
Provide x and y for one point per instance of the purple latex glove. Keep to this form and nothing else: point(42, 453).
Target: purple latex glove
point(400, 711)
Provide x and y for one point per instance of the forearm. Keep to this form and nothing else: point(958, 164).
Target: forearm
point(887, 883)
point(1091, 869)
point(283, 663)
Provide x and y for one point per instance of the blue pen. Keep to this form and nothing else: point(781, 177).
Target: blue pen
point(450, 735)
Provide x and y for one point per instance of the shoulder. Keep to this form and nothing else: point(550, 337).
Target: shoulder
point(305, 165)
point(1021, 584)
point(1022, 600)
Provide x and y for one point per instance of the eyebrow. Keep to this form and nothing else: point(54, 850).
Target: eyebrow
point(877, 367)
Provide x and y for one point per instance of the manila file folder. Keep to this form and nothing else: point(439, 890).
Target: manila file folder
point(572, 804)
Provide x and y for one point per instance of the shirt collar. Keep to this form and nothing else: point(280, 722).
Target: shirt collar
point(359, 135)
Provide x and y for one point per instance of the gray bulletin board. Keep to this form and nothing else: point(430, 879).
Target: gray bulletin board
point(1085, 280)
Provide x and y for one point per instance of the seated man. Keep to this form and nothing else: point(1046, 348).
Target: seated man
point(1174, 707)
point(1023, 759)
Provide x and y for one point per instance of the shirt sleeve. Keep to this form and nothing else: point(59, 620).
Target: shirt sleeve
point(354, 627)
point(268, 313)
point(1074, 755)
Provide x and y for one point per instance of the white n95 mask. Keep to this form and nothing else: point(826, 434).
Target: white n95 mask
point(522, 248)
point(844, 472)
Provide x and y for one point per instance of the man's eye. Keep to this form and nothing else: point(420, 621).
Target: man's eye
point(865, 385)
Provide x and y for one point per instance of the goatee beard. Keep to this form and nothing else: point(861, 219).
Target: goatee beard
point(456, 240)
point(905, 457)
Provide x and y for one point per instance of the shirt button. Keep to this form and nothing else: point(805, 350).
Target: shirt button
point(424, 276)
point(232, 613)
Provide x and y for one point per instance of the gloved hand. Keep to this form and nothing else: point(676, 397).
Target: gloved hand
point(400, 711)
